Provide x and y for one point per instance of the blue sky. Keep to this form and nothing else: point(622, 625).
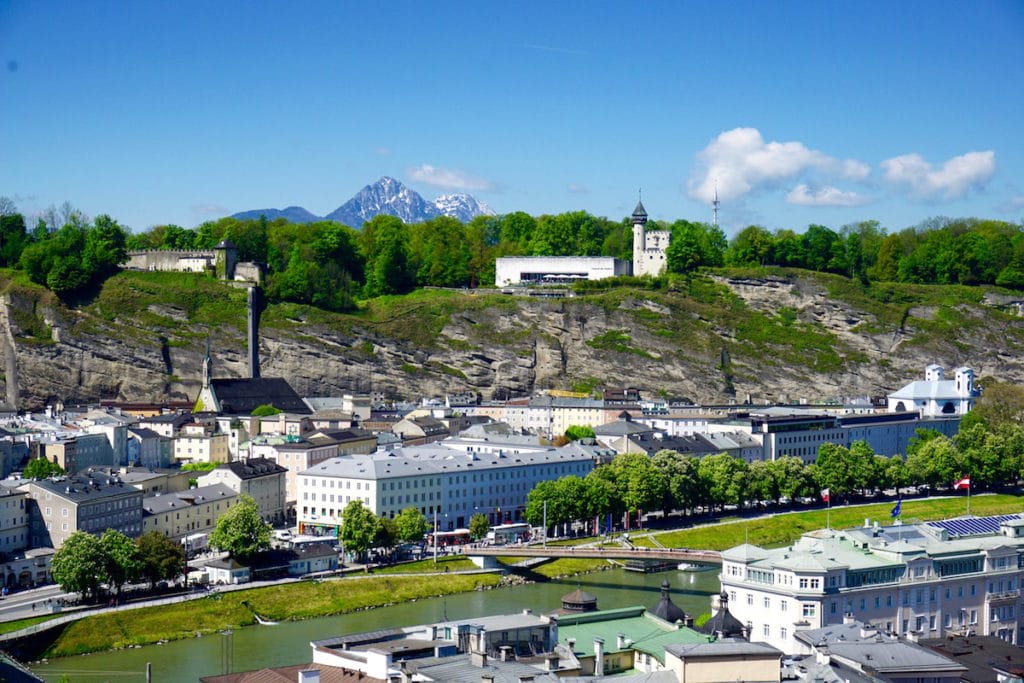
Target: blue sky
point(803, 112)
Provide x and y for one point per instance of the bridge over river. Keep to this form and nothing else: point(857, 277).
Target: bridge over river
point(481, 554)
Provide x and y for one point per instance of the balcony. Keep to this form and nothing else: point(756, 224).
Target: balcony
point(1005, 596)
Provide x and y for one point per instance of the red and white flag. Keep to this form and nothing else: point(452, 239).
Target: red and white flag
point(825, 493)
point(964, 483)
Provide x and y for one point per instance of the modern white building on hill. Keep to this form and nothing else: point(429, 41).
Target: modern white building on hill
point(935, 396)
point(554, 270)
point(928, 580)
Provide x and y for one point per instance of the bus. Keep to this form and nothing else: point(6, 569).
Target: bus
point(503, 534)
point(447, 539)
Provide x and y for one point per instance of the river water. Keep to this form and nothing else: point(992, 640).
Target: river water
point(255, 647)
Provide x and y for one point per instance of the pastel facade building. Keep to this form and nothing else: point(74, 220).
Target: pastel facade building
point(928, 580)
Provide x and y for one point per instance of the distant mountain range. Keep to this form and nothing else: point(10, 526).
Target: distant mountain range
point(386, 196)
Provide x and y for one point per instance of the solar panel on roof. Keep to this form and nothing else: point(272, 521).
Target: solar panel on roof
point(968, 526)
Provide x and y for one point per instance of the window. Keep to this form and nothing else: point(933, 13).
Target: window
point(783, 633)
point(809, 610)
point(782, 605)
point(767, 603)
point(750, 598)
point(767, 631)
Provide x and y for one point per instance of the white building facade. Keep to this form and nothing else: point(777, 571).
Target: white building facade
point(453, 483)
point(937, 396)
point(650, 247)
point(924, 579)
point(541, 270)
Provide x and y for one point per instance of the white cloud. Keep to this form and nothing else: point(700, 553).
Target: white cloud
point(952, 180)
point(803, 195)
point(573, 188)
point(448, 179)
point(383, 151)
point(740, 162)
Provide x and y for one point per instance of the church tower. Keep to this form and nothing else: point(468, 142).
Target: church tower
point(639, 237)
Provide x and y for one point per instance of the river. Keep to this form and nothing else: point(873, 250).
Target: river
point(254, 647)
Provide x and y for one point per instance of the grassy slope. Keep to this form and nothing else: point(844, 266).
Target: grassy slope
point(784, 528)
point(237, 608)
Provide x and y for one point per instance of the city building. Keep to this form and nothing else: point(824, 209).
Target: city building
point(14, 521)
point(928, 580)
point(265, 481)
point(450, 483)
point(293, 453)
point(800, 433)
point(78, 452)
point(147, 448)
point(91, 501)
point(936, 396)
point(199, 442)
point(854, 651)
point(181, 514)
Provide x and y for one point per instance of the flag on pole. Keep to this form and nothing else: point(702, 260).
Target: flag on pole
point(964, 483)
point(825, 495)
point(897, 509)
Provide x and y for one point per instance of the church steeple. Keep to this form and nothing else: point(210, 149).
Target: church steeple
point(639, 213)
point(207, 366)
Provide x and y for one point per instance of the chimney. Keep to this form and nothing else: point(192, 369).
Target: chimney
point(478, 658)
point(552, 662)
point(620, 641)
point(505, 651)
point(848, 618)
point(571, 644)
point(487, 678)
point(309, 676)
point(598, 656)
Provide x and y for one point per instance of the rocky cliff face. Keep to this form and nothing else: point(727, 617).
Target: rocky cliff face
point(766, 339)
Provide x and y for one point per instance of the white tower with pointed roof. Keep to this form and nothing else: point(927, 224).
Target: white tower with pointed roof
point(649, 248)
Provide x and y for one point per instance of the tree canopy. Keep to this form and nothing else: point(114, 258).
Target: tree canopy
point(241, 531)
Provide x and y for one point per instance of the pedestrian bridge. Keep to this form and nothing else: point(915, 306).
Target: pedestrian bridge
point(486, 556)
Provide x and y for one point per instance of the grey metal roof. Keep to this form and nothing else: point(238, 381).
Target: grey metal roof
point(254, 468)
point(723, 647)
point(166, 502)
point(639, 211)
point(86, 486)
point(460, 669)
point(894, 657)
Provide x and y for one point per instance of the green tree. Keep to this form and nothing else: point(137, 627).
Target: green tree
point(386, 534)
point(640, 483)
point(241, 531)
point(358, 529)
point(41, 468)
point(577, 432)
point(680, 475)
point(792, 477)
point(162, 559)
point(80, 564)
point(123, 559)
point(412, 525)
point(478, 526)
point(725, 479)
point(935, 462)
point(265, 410)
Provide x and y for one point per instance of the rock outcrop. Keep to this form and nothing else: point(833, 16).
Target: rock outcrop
point(766, 339)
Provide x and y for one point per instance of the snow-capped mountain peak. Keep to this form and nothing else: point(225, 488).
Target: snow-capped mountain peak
point(462, 206)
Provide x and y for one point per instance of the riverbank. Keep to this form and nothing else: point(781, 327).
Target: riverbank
point(309, 599)
point(229, 610)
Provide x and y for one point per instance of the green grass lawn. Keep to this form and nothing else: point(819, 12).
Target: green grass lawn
point(450, 563)
point(785, 528)
point(8, 626)
point(234, 609)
